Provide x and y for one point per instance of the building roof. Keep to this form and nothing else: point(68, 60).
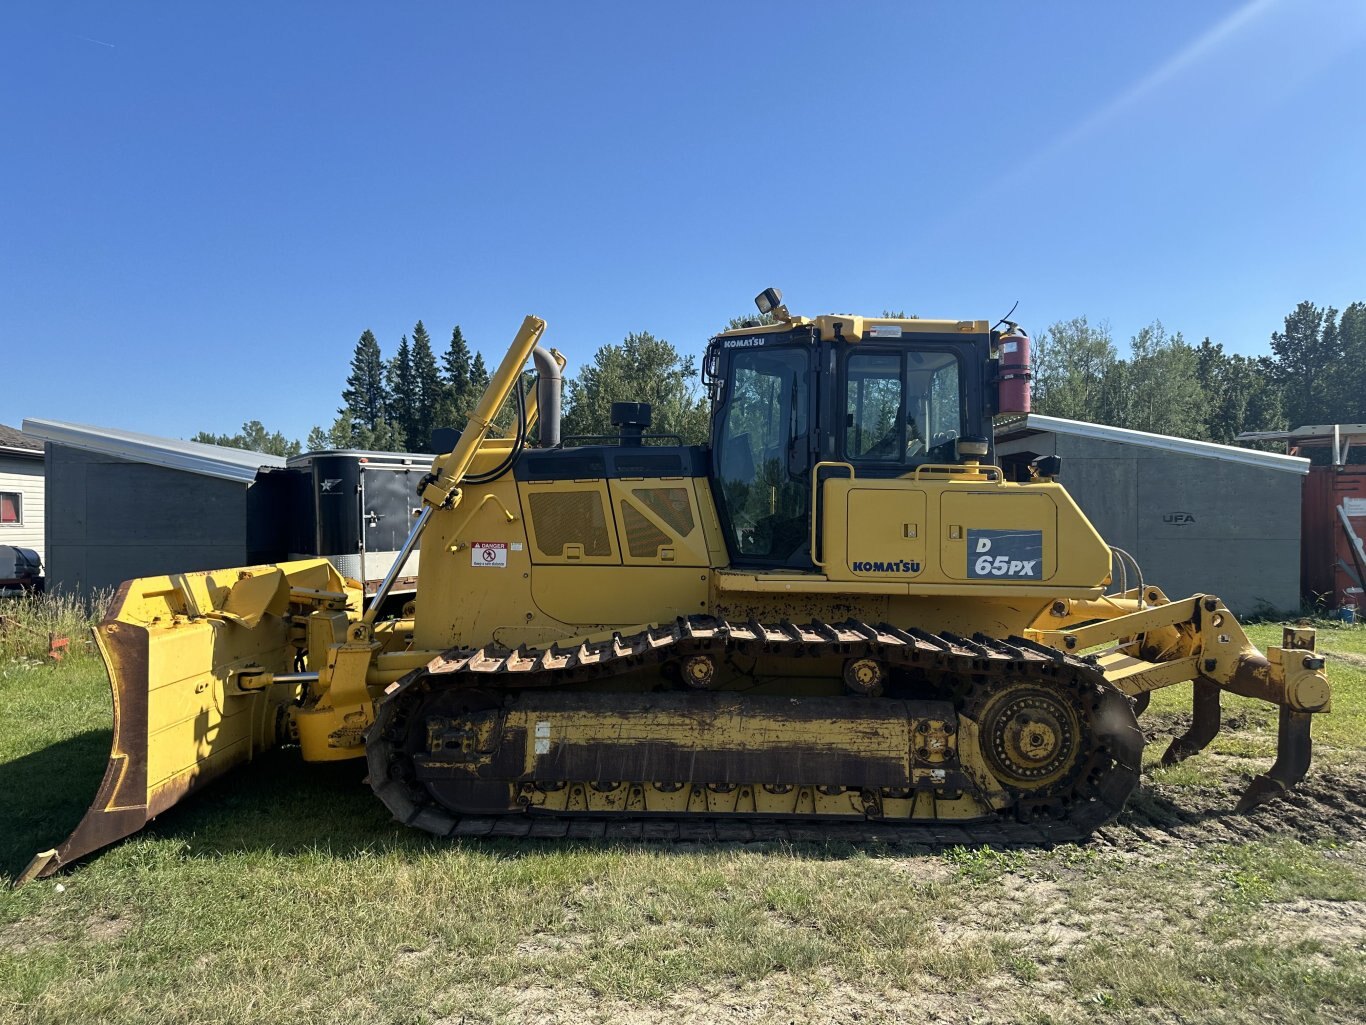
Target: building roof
point(191, 456)
point(1340, 438)
point(17, 443)
point(1321, 433)
point(1023, 425)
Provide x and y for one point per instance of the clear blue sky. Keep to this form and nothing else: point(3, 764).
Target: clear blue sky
point(204, 205)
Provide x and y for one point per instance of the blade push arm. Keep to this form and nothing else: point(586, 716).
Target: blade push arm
point(442, 487)
point(449, 470)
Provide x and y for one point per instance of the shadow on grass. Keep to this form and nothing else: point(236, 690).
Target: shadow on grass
point(281, 805)
point(44, 794)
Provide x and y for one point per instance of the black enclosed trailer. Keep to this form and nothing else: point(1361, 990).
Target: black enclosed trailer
point(353, 508)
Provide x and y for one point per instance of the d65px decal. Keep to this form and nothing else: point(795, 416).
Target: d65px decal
point(1005, 554)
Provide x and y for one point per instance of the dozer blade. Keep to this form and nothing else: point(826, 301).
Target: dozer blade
point(186, 655)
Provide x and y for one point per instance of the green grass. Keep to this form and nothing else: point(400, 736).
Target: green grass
point(286, 894)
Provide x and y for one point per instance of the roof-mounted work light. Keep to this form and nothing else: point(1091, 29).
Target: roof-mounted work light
point(770, 301)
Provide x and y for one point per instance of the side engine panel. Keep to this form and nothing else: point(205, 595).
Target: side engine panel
point(934, 534)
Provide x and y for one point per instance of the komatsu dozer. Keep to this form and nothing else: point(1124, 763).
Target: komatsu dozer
point(838, 610)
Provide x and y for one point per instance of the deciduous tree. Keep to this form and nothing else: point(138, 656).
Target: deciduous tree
point(642, 368)
point(1157, 389)
point(1071, 362)
point(254, 438)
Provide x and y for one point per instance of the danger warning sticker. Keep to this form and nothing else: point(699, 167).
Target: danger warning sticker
point(489, 553)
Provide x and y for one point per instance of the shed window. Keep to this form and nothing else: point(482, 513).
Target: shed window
point(11, 507)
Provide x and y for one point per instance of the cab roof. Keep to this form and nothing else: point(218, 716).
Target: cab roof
point(853, 328)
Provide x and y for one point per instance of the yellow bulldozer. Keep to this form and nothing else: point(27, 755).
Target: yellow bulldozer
point(838, 610)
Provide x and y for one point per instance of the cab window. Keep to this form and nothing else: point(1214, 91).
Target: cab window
point(902, 408)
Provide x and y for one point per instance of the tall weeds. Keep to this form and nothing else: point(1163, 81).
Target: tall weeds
point(27, 621)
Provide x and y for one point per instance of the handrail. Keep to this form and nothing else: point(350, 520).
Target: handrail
point(988, 471)
point(815, 499)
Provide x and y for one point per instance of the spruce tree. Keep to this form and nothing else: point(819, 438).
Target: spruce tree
point(456, 362)
point(428, 387)
point(403, 395)
point(365, 395)
point(1306, 357)
point(479, 381)
point(1350, 404)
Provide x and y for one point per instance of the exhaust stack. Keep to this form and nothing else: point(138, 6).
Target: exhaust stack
point(547, 396)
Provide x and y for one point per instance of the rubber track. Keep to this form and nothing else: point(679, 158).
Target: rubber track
point(976, 662)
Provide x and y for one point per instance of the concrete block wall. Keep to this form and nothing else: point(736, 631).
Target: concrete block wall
point(1195, 524)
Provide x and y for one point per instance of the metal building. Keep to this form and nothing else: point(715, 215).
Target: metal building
point(1333, 547)
point(1198, 516)
point(123, 505)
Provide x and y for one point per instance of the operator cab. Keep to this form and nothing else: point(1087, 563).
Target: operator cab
point(878, 396)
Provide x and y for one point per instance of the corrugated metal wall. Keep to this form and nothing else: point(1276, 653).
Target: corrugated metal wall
point(1329, 568)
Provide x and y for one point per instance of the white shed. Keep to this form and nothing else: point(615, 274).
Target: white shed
point(22, 487)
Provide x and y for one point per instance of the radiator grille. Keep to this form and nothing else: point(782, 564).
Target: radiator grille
point(570, 517)
point(670, 505)
point(643, 538)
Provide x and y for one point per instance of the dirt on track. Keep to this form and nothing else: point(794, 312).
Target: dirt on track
point(1329, 805)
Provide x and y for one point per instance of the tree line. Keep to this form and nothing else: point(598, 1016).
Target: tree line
point(1315, 373)
point(388, 405)
point(394, 404)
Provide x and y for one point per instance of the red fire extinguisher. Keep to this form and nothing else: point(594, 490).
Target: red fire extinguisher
point(1013, 373)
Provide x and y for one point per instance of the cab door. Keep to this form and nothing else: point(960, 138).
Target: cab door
point(762, 457)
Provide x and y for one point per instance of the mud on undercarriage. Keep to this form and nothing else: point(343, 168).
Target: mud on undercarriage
point(999, 740)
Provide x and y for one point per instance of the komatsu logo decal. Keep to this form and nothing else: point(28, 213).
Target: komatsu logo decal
point(895, 566)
